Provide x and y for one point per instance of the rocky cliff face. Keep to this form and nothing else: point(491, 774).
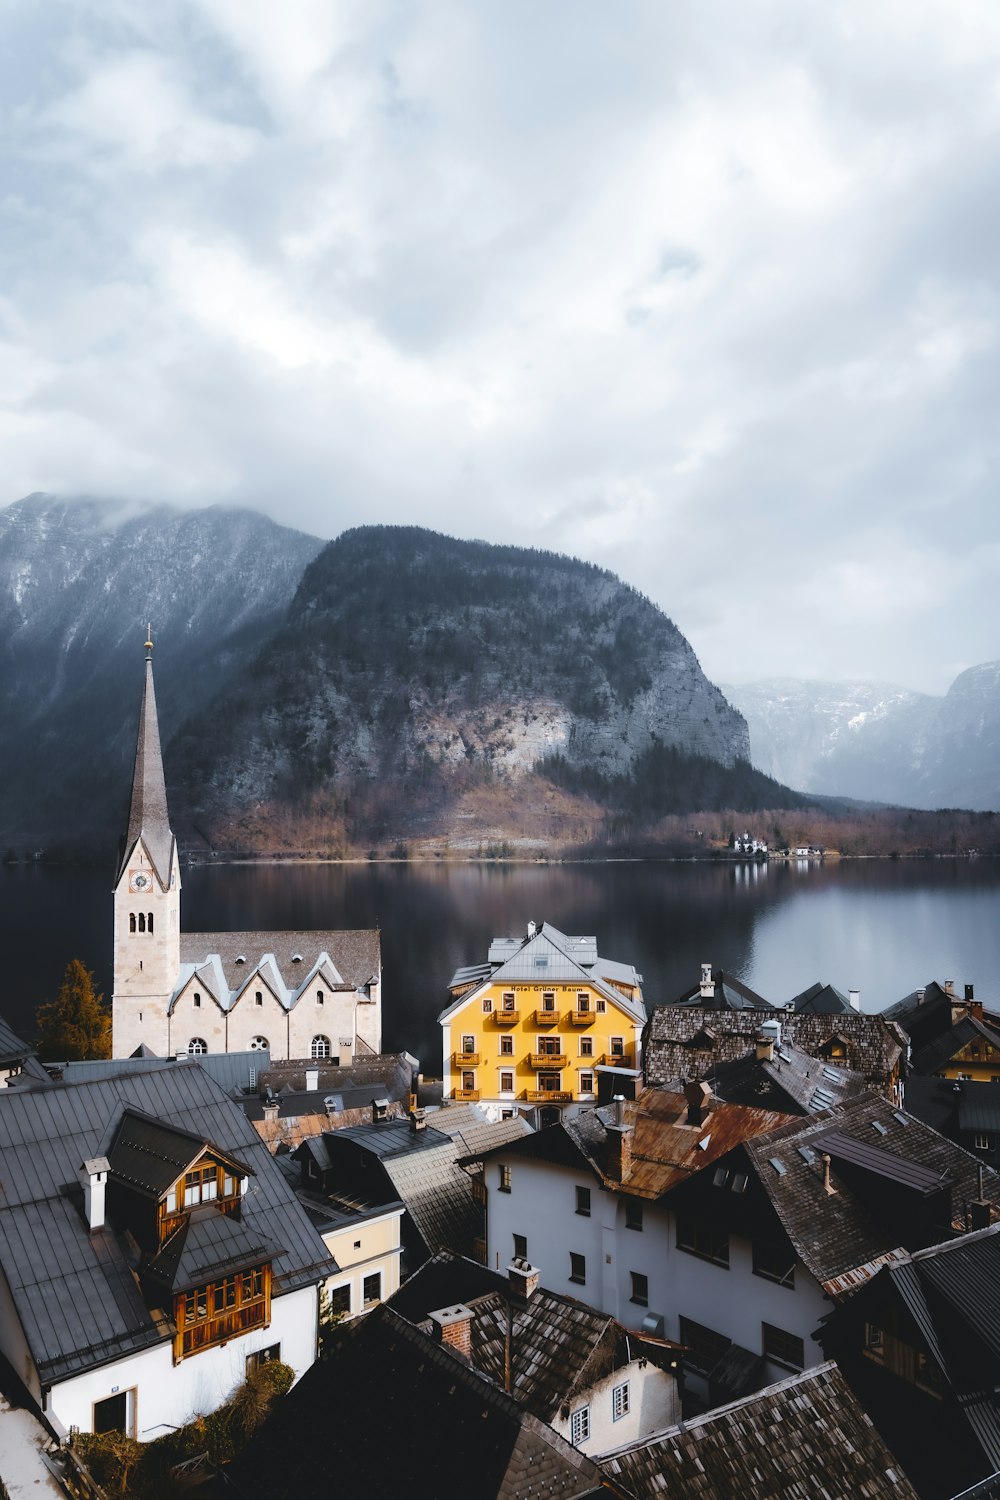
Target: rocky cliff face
point(406, 653)
point(879, 742)
point(79, 581)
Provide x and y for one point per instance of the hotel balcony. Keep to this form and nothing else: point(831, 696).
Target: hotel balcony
point(546, 1018)
point(460, 1060)
point(548, 1096)
point(470, 1096)
point(582, 1017)
point(554, 1060)
point(506, 1017)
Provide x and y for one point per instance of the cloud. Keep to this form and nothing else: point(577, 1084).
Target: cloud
point(706, 294)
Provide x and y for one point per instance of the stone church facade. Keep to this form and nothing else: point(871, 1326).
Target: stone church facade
point(294, 994)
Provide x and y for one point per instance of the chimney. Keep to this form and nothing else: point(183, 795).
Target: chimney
point(854, 996)
point(707, 987)
point(699, 1098)
point(765, 1047)
point(312, 1080)
point(949, 986)
point(94, 1176)
point(772, 1029)
point(418, 1120)
point(920, 995)
point(453, 1326)
point(380, 1110)
point(969, 992)
point(532, 929)
point(619, 1138)
point(979, 1214)
point(523, 1278)
point(272, 1108)
point(827, 1184)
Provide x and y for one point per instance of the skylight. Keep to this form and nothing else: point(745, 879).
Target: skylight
point(778, 1166)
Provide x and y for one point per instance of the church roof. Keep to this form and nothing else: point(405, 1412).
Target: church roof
point(226, 962)
point(148, 818)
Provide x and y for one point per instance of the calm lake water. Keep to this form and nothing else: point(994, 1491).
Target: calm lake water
point(880, 926)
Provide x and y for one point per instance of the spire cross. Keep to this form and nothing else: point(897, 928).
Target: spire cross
point(149, 637)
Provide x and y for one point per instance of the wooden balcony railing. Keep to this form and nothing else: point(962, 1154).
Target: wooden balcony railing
point(555, 1060)
point(462, 1060)
point(506, 1017)
point(469, 1095)
point(546, 1018)
point(582, 1017)
point(548, 1096)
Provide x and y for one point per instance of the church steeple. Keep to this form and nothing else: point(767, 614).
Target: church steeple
point(148, 817)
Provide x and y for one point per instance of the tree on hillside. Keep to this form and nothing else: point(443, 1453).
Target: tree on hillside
point(77, 1023)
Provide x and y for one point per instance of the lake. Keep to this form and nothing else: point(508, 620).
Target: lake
point(881, 926)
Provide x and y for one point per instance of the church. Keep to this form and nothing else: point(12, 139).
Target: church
point(315, 995)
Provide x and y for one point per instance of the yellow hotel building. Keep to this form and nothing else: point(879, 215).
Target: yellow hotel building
point(530, 1027)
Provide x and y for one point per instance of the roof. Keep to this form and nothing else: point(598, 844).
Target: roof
point(805, 1436)
point(74, 1291)
point(730, 994)
point(791, 1080)
point(232, 1071)
point(288, 962)
point(473, 1132)
point(684, 1042)
point(544, 956)
point(944, 1047)
point(150, 1156)
point(820, 1000)
point(409, 1415)
point(833, 1233)
point(12, 1048)
point(148, 818)
point(206, 1245)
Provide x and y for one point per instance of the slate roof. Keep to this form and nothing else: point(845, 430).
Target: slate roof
point(471, 1130)
point(730, 994)
point(874, 1047)
point(74, 1291)
point(12, 1049)
point(148, 818)
point(391, 1411)
point(943, 1048)
point(802, 1438)
point(790, 1080)
point(548, 955)
point(820, 1000)
point(834, 1233)
point(288, 962)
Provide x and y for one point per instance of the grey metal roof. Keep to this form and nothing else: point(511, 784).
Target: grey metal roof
point(547, 956)
point(895, 1166)
point(148, 818)
point(820, 1000)
point(150, 1156)
point(289, 963)
point(205, 1247)
point(232, 1071)
point(804, 1437)
point(730, 994)
point(74, 1291)
point(12, 1048)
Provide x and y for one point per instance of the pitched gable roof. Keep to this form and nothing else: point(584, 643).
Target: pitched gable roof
point(547, 955)
point(150, 1156)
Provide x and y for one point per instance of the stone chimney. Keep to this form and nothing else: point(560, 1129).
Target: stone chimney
point(619, 1138)
point(380, 1110)
point(523, 1278)
point(699, 1099)
point(272, 1108)
point(949, 986)
point(453, 1326)
point(312, 1080)
point(854, 996)
point(707, 987)
point(418, 1120)
point(765, 1047)
point(94, 1176)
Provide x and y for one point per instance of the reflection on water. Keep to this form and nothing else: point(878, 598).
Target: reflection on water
point(879, 926)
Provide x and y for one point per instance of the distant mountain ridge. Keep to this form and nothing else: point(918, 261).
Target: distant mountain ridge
point(879, 742)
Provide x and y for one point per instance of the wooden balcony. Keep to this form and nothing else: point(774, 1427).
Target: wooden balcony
point(470, 1096)
point(554, 1060)
point(582, 1017)
point(506, 1017)
point(460, 1060)
point(548, 1096)
point(546, 1018)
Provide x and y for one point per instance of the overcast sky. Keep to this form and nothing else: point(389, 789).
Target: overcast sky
point(707, 293)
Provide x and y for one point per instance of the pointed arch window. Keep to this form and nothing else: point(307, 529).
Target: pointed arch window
point(142, 921)
point(320, 1047)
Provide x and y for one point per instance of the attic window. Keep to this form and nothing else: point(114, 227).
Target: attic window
point(720, 1177)
point(877, 1125)
point(541, 963)
point(807, 1153)
point(897, 1114)
point(258, 997)
point(241, 958)
point(739, 1183)
point(196, 998)
point(296, 958)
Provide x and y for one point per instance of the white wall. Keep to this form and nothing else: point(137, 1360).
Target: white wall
point(734, 1302)
point(654, 1403)
point(363, 1248)
point(168, 1395)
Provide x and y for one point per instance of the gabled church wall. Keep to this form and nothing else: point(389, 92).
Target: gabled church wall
point(248, 1020)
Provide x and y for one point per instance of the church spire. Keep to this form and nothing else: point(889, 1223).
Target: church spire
point(148, 817)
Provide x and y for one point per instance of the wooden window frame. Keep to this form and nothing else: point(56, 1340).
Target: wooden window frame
point(220, 1310)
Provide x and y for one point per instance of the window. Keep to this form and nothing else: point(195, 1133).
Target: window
point(548, 1000)
point(487, 1006)
point(617, 1046)
point(468, 1044)
point(633, 1213)
point(551, 1046)
point(320, 1047)
point(583, 1001)
point(619, 1401)
point(579, 1426)
point(521, 1246)
point(507, 1045)
point(700, 1237)
point(875, 1343)
point(783, 1348)
point(200, 1186)
point(705, 1347)
point(503, 1177)
point(214, 1313)
point(774, 1261)
point(320, 997)
point(263, 1357)
point(142, 921)
point(372, 1289)
point(260, 1044)
point(131, 921)
point(340, 1301)
point(549, 1083)
point(927, 1373)
point(602, 1006)
point(586, 1083)
point(508, 1000)
point(258, 997)
point(577, 1268)
point(196, 998)
point(982, 1142)
point(468, 1081)
point(640, 1289)
point(583, 1201)
point(197, 1046)
point(586, 1046)
point(506, 1083)
point(149, 922)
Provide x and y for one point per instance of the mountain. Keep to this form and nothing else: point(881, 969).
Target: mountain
point(79, 581)
point(878, 742)
point(413, 667)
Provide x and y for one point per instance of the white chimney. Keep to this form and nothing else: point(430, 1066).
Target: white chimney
point(707, 983)
point(523, 1277)
point(772, 1031)
point(312, 1080)
point(854, 996)
point(532, 929)
point(94, 1176)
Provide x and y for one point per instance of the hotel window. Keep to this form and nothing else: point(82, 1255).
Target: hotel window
point(586, 1046)
point(508, 999)
point(507, 1045)
point(705, 1347)
point(319, 1047)
point(577, 1268)
point(617, 1046)
point(700, 1237)
point(583, 1201)
point(775, 1262)
point(783, 1348)
point(583, 1000)
point(520, 1247)
point(549, 1083)
point(548, 1000)
point(487, 1006)
point(551, 1046)
point(633, 1213)
point(602, 1006)
point(586, 1083)
point(468, 1081)
point(640, 1289)
point(503, 1177)
point(506, 1083)
point(468, 1044)
point(579, 1426)
point(371, 1289)
point(619, 1401)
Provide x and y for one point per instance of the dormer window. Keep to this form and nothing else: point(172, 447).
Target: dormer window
point(241, 958)
point(296, 958)
point(201, 1186)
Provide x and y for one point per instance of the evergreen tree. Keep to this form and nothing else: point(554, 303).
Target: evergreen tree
point(77, 1023)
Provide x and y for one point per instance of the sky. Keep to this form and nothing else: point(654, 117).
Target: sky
point(706, 293)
